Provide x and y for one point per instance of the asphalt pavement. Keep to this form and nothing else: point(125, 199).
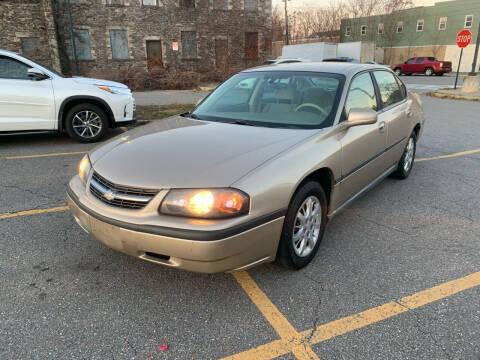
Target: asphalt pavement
point(65, 296)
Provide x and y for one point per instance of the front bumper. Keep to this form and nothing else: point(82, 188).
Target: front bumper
point(241, 251)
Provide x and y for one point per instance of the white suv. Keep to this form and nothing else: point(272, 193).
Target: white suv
point(34, 98)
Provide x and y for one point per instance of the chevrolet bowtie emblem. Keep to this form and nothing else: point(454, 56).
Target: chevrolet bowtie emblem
point(109, 195)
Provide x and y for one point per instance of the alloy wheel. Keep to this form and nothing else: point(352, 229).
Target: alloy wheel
point(87, 124)
point(409, 154)
point(306, 227)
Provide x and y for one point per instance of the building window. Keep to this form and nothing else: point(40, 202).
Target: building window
point(189, 44)
point(154, 54)
point(420, 25)
point(348, 31)
point(399, 27)
point(380, 29)
point(82, 44)
point(119, 42)
point(251, 5)
point(468, 21)
point(220, 4)
point(363, 30)
point(115, 2)
point(187, 4)
point(149, 2)
point(442, 24)
point(251, 45)
point(31, 47)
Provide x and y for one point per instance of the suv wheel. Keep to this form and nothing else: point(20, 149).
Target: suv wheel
point(303, 227)
point(86, 122)
point(398, 71)
point(408, 157)
point(428, 72)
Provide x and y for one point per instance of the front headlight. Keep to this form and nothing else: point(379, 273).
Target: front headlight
point(205, 203)
point(115, 90)
point(84, 168)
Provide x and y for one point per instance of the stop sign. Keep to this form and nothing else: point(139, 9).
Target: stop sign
point(464, 38)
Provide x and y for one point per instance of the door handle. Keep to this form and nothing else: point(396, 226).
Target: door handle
point(381, 127)
point(409, 113)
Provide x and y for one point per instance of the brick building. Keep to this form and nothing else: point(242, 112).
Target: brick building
point(193, 35)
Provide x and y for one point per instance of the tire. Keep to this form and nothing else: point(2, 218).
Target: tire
point(405, 165)
point(290, 253)
point(439, 74)
point(86, 123)
point(428, 72)
point(398, 71)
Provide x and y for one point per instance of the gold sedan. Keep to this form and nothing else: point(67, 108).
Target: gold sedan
point(254, 172)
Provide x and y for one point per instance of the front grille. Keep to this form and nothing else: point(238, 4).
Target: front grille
point(119, 195)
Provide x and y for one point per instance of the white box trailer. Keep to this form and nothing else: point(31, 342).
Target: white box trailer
point(312, 51)
point(361, 50)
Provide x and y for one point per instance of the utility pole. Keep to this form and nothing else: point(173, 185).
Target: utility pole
point(72, 37)
point(475, 57)
point(286, 24)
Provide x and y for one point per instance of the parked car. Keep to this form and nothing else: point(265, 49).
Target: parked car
point(255, 172)
point(342, 59)
point(35, 98)
point(281, 60)
point(425, 65)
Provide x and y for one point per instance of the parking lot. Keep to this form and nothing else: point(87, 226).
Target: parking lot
point(396, 277)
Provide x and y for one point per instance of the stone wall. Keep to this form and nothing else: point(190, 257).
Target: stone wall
point(164, 22)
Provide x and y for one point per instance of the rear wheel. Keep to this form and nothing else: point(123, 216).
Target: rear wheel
point(86, 122)
point(304, 226)
point(428, 72)
point(439, 74)
point(405, 164)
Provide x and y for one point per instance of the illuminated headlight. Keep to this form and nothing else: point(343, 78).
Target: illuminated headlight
point(115, 90)
point(205, 203)
point(84, 168)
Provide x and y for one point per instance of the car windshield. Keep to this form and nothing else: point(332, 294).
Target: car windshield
point(275, 99)
point(45, 66)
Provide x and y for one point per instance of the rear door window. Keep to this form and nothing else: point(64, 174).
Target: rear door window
point(419, 61)
point(390, 91)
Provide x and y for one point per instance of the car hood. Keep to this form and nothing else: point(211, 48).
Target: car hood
point(185, 153)
point(90, 81)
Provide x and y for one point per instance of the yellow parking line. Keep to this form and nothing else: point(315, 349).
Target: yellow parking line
point(357, 321)
point(33, 212)
point(281, 325)
point(44, 155)
point(450, 155)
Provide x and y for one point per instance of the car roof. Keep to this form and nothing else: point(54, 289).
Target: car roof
point(348, 69)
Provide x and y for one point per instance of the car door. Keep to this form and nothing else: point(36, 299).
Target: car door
point(25, 104)
point(395, 113)
point(419, 65)
point(409, 66)
point(362, 146)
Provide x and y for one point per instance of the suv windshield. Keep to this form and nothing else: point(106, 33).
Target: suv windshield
point(45, 66)
point(276, 99)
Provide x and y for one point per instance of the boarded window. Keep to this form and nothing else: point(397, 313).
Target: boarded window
point(115, 2)
point(251, 5)
point(31, 47)
point(82, 44)
point(154, 54)
point(189, 4)
point(150, 2)
point(220, 4)
point(119, 42)
point(251, 45)
point(221, 54)
point(399, 27)
point(189, 44)
point(442, 25)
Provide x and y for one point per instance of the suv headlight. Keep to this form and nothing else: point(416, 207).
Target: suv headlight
point(84, 168)
point(205, 203)
point(115, 90)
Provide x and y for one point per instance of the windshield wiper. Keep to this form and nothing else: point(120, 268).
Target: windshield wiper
point(190, 115)
point(240, 122)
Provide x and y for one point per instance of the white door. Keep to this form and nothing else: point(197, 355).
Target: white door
point(25, 104)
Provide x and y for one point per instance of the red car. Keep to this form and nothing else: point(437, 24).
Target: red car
point(426, 65)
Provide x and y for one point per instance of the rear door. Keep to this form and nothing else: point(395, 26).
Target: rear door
point(362, 146)
point(24, 104)
point(395, 108)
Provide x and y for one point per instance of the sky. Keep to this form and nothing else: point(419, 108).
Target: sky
point(301, 3)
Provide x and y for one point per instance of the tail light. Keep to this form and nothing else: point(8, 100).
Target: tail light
point(441, 64)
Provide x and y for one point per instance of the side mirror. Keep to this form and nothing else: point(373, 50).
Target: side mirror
point(359, 116)
point(36, 74)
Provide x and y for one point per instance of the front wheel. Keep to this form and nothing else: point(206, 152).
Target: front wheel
point(86, 122)
point(398, 71)
point(304, 226)
point(404, 167)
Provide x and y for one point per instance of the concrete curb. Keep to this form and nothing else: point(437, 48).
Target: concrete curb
point(442, 94)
